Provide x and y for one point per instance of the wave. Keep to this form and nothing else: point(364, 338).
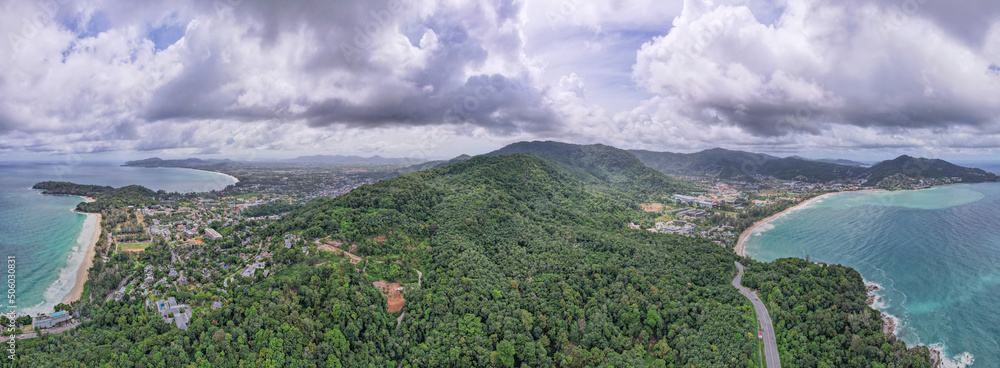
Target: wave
point(56, 291)
point(760, 230)
point(965, 359)
point(879, 302)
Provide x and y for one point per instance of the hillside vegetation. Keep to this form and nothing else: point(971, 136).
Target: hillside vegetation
point(725, 164)
point(526, 262)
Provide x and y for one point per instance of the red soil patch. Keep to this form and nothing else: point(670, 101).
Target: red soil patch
point(651, 207)
point(135, 250)
point(378, 239)
point(391, 292)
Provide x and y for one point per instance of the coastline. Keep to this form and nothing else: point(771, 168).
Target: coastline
point(215, 172)
point(88, 261)
point(740, 248)
point(891, 323)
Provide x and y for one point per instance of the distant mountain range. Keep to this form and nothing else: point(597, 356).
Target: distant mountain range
point(613, 164)
point(833, 161)
point(601, 163)
point(726, 164)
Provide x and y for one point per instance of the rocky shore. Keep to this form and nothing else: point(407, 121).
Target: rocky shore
point(889, 322)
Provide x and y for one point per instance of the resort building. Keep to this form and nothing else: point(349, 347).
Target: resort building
point(696, 200)
point(53, 320)
point(181, 312)
point(211, 234)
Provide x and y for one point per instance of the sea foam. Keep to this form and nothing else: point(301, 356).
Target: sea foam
point(965, 359)
point(58, 290)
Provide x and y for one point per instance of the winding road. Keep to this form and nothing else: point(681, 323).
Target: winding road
point(770, 344)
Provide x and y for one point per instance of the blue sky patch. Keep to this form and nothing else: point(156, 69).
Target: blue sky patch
point(166, 35)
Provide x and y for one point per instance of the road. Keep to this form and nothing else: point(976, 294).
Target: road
point(770, 344)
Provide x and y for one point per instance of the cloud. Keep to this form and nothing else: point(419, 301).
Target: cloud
point(231, 76)
point(821, 63)
point(315, 64)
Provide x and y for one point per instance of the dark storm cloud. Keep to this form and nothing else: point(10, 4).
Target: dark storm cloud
point(769, 120)
point(966, 20)
point(427, 96)
point(493, 102)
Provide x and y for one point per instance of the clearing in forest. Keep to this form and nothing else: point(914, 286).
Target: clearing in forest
point(393, 292)
point(333, 246)
point(651, 207)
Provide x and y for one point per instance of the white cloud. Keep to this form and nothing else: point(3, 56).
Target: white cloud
point(778, 75)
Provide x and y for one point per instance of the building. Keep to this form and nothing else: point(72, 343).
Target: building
point(211, 234)
point(53, 320)
point(250, 269)
point(217, 305)
point(181, 312)
point(696, 200)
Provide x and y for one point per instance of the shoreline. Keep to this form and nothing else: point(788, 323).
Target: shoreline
point(740, 248)
point(82, 275)
point(215, 172)
point(891, 323)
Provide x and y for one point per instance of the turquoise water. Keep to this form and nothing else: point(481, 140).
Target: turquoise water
point(936, 254)
point(47, 240)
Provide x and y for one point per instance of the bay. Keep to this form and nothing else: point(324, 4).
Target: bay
point(47, 239)
point(935, 253)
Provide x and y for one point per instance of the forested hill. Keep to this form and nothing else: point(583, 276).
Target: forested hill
point(726, 164)
point(433, 164)
point(923, 168)
point(132, 195)
point(524, 265)
point(608, 169)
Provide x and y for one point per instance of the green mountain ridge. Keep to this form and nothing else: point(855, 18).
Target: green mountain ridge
point(726, 164)
point(526, 261)
point(921, 168)
point(612, 170)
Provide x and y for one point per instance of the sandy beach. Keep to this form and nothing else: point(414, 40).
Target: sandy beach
point(741, 243)
point(88, 260)
point(237, 180)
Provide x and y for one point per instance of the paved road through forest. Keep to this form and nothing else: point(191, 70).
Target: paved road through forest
point(770, 344)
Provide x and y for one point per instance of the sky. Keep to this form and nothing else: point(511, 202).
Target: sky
point(257, 79)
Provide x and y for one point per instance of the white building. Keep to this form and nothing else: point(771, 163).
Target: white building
point(52, 320)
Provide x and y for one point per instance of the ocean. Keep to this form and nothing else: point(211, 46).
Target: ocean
point(47, 240)
point(935, 253)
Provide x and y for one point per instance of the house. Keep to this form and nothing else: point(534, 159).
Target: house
point(211, 234)
point(181, 312)
point(289, 239)
point(250, 269)
point(217, 305)
point(53, 320)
